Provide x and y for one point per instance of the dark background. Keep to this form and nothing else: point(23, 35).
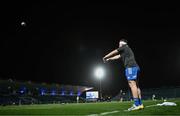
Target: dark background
point(63, 42)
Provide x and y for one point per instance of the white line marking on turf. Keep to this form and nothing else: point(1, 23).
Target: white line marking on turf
point(151, 106)
point(104, 113)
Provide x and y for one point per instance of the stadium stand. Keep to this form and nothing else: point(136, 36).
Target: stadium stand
point(17, 93)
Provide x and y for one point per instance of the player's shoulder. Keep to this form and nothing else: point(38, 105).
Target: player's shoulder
point(121, 48)
point(126, 47)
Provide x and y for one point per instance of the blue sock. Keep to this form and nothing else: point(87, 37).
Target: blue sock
point(136, 101)
point(140, 101)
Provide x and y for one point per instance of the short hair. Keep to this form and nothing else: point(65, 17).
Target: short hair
point(124, 40)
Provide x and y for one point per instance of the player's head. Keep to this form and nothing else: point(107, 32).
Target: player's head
point(122, 42)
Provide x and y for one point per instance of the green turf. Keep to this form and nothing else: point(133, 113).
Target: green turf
point(90, 108)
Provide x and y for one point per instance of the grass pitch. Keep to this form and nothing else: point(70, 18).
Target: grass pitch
point(92, 109)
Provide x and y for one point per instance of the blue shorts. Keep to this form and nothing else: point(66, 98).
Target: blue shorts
point(131, 73)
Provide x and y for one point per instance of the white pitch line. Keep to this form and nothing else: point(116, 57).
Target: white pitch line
point(151, 106)
point(104, 113)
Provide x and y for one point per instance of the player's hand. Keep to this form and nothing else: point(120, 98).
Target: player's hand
point(107, 60)
point(104, 59)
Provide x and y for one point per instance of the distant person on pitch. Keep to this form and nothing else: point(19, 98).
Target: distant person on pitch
point(131, 70)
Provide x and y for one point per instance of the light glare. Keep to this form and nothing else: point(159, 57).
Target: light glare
point(99, 72)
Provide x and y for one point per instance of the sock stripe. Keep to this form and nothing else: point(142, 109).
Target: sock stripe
point(136, 101)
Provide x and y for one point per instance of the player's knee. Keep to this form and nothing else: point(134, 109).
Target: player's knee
point(132, 84)
point(139, 91)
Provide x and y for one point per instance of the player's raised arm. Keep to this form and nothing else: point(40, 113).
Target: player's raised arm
point(111, 54)
point(114, 57)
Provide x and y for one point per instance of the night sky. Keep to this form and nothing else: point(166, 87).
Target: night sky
point(63, 42)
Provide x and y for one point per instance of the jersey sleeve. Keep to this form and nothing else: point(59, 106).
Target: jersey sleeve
point(120, 49)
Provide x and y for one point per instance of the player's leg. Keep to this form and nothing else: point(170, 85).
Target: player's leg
point(139, 92)
point(131, 74)
point(133, 87)
point(140, 99)
point(139, 95)
point(134, 91)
